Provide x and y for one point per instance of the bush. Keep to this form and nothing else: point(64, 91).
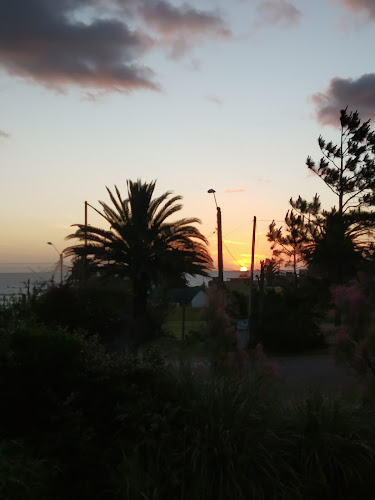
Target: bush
point(113, 427)
point(290, 322)
point(22, 476)
point(98, 308)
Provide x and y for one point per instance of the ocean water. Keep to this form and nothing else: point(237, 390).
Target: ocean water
point(18, 283)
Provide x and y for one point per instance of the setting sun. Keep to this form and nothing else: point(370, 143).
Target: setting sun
point(243, 269)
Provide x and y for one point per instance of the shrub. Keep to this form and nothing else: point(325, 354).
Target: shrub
point(23, 476)
point(109, 426)
point(290, 322)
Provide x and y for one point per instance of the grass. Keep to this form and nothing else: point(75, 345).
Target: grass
point(195, 324)
point(113, 427)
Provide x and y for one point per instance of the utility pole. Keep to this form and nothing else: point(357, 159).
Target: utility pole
point(220, 245)
point(61, 261)
point(251, 278)
point(86, 224)
point(219, 240)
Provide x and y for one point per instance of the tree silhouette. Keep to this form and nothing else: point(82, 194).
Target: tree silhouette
point(288, 246)
point(348, 169)
point(142, 245)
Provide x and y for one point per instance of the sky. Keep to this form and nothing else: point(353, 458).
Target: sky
point(229, 95)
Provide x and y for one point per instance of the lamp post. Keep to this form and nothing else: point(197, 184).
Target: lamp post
point(61, 260)
point(87, 204)
point(219, 239)
point(251, 279)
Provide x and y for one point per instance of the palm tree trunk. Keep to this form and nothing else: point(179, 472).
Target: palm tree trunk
point(140, 319)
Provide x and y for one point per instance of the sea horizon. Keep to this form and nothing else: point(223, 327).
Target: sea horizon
point(17, 282)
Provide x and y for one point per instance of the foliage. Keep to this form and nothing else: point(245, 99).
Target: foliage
point(221, 333)
point(355, 337)
point(348, 169)
point(331, 454)
point(100, 307)
point(290, 244)
point(23, 476)
point(336, 251)
point(105, 426)
point(141, 245)
point(290, 320)
point(271, 271)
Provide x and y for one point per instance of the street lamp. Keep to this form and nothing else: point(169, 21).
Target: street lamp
point(219, 239)
point(61, 260)
point(87, 204)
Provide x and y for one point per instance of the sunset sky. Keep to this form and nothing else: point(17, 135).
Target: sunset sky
point(223, 94)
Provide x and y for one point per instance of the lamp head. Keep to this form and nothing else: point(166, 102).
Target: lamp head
point(211, 191)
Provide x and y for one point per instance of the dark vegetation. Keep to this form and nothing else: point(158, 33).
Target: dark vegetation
point(79, 421)
point(84, 415)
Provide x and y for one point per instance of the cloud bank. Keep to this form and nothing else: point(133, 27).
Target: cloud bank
point(359, 6)
point(97, 44)
point(357, 94)
point(277, 12)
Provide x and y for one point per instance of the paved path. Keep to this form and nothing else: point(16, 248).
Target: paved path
point(300, 372)
point(315, 370)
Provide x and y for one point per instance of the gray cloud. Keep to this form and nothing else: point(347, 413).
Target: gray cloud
point(170, 20)
point(277, 12)
point(3, 134)
point(194, 65)
point(357, 94)
point(178, 28)
point(359, 5)
point(96, 44)
point(214, 99)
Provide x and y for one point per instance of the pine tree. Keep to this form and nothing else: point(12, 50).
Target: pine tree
point(348, 169)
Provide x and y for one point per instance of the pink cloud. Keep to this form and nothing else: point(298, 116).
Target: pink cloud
point(356, 94)
point(169, 20)
point(277, 12)
point(46, 43)
point(179, 28)
point(359, 6)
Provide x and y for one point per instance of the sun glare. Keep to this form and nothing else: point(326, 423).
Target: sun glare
point(243, 269)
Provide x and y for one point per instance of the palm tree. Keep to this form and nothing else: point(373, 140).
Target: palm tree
point(141, 244)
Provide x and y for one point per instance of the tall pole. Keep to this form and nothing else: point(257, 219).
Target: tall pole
point(219, 246)
point(61, 260)
point(61, 268)
point(219, 239)
point(85, 224)
point(84, 270)
point(251, 276)
point(87, 204)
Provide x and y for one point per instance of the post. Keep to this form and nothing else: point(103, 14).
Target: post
point(61, 268)
point(219, 246)
point(251, 277)
point(219, 239)
point(85, 256)
point(85, 223)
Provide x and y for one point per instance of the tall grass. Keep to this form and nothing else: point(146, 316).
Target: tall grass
point(240, 440)
point(118, 428)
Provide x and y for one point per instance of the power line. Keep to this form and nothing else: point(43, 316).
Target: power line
point(230, 253)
